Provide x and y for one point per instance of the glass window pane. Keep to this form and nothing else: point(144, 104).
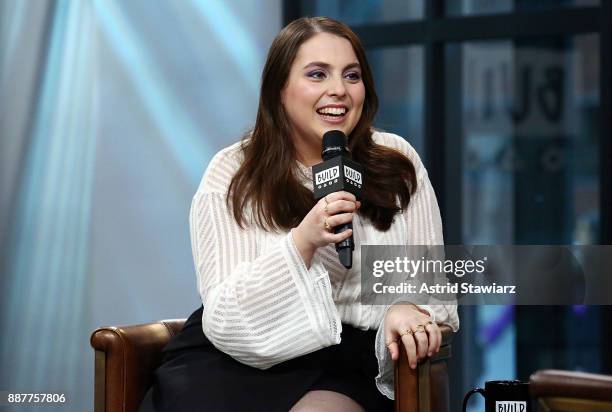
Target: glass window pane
point(399, 78)
point(526, 114)
point(474, 7)
point(362, 12)
point(522, 119)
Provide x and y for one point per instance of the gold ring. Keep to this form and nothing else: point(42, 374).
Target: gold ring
point(326, 202)
point(431, 322)
point(392, 341)
point(327, 226)
point(325, 209)
point(408, 331)
point(419, 328)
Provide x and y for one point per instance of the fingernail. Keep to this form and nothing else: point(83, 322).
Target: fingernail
point(429, 354)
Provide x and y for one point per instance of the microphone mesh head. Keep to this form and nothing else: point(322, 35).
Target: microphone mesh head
point(334, 138)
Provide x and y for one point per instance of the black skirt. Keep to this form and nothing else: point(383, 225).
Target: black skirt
point(194, 375)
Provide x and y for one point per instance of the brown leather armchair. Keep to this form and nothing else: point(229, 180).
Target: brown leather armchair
point(567, 391)
point(126, 357)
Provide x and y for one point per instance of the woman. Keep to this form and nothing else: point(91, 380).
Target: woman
point(283, 328)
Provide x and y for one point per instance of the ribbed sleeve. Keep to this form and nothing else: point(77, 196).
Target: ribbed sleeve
point(424, 227)
point(262, 305)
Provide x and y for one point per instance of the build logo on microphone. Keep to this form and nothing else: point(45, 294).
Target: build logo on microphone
point(352, 176)
point(327, 177)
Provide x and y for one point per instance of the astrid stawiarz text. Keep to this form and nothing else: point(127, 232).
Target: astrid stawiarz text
point(437, 289)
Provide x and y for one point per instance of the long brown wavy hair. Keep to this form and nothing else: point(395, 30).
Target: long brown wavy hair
point(266, 181)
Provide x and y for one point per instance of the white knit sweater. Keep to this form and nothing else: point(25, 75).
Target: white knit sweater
point(263, 306)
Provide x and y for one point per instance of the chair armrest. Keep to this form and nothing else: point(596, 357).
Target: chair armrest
point(413, 387)
point(125, 359)
point(568, 384)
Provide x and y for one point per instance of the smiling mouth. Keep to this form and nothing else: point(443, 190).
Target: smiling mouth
point(333, 113)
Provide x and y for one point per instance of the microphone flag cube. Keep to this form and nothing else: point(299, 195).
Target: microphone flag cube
point(336, 174)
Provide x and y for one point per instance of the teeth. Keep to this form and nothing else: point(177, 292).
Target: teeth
point(332, 110)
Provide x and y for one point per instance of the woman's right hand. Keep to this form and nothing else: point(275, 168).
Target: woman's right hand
point(334, 209)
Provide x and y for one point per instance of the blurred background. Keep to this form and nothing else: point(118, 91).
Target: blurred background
point(110, 111)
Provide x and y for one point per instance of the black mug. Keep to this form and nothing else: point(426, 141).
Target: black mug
point(503, 396)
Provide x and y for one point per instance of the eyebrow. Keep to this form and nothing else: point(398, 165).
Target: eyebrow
point(327, 66)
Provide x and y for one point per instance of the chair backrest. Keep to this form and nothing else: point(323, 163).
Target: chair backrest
point(568, 391)
point(125, 360)
point(424, 389)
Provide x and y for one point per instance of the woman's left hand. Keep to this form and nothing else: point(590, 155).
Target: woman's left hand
point(419, 334)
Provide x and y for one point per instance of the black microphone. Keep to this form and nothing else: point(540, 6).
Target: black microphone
point(338, 172)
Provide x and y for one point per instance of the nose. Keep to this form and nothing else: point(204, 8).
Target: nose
point(336, 86)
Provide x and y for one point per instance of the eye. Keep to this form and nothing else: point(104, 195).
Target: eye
point(353, 76)
point(316, 74)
